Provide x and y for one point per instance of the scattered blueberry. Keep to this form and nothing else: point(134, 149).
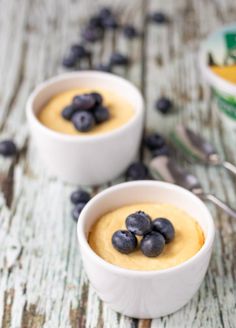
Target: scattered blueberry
point(118, 59)
point(79, 196)
point(101, 114)
point(83, 102)
point(124, 241)
point(163, 151)
point(110, 22)
point(91, 34)
point(70, 60)
point(164, 105)
point(154, 141)
point(79, 51)
point(158, 17)
point(97, 97)
point(130, 32)
point(105, 12)
point(103, 67)
point(83, 121)
point(165, 227)
point(77, 210)
point(68, 112)
point(137, 171)
point(7, 148)
point(139, 223)
point(152, 244)
point(95, 22)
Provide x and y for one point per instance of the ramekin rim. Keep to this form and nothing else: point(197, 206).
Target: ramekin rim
point(78, 138)
point(209, 240)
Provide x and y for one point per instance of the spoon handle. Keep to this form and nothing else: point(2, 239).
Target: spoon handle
point(230, 167)
point(218, 202)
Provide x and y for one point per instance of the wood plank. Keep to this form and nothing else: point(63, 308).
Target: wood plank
point(42, 281)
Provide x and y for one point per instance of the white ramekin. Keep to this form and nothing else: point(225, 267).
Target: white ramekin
point(86, 160)
point(145, 294)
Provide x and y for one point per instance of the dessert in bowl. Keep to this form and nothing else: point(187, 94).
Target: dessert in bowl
point(120, 111)
point(188, 240)
point(136, 283)
point(93, 156)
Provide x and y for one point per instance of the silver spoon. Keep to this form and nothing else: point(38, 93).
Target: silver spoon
point(165, 168)
point(196, 147)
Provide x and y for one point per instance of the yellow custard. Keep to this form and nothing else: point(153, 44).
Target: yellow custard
point(189, 237)
point(121, 111)
point(228, 73)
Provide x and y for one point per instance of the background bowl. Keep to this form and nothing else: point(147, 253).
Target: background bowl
point(86, 160)
point(145, 294)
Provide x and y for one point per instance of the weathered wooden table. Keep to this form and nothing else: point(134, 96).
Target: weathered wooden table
point(42, 281)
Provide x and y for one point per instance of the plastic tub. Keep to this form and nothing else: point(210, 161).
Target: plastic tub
point(218, 65)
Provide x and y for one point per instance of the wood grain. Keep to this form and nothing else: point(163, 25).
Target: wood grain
point(42, 281)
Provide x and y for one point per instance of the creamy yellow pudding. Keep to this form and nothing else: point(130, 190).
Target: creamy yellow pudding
point(228, 73)
point(188, 240)
point(120, 111)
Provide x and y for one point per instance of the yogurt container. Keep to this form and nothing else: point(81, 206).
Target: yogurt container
point(218, 65)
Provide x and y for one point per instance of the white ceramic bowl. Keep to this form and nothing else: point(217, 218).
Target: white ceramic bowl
point(86, 160)
point(145, 294)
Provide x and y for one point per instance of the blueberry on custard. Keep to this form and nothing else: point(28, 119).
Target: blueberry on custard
point(139, 223)
point(152, 244)
point(101, 114)
point(83, 121)
point(155, 234)
point(165, 227)
point(84, 102)
point(68, 112)
point(124, 241)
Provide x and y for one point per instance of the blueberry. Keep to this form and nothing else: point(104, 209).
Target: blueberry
point(124, 241)
point(83, 121)
point(103, 67)
point(130, 32)
point(118, 59)
point(79, 196)
point(165, 227)
point(77, 210)
point(83, 102)
point(95, 22)
point(163, 151)
point(70, 60)
point(139, 223)
point(105, 12)
point(154, 141)
point(101, 114)
point(158, 17)
point(164, 105)
point(137, 171)
point(7, 148)
point(91, 34)
point(152, 244)
point(79, 51)
point(97, 97)
point(110, 22)
point(68, 112)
